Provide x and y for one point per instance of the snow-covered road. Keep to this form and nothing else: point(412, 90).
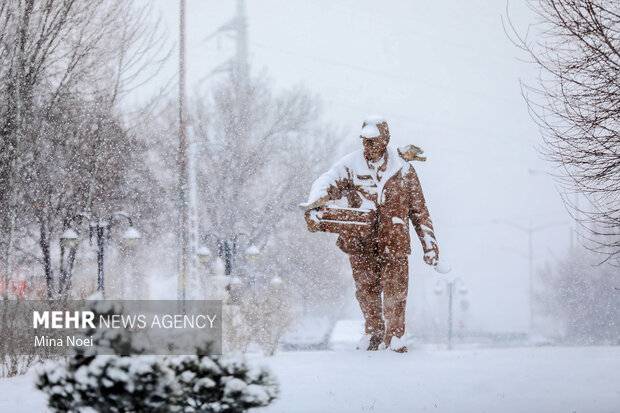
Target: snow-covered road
point(533, 379)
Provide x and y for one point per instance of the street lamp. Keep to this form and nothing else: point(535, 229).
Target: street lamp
point(204, 254)
point(69, 237)
point(219, 281)
point(132, 237)
point(440, 287)
point(530, 230)
point(228, 249)
point(252, 253)
point(276, 282)
point(236, 282)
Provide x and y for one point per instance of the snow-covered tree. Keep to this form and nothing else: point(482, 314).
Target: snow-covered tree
point(221, 384)
point(578, 299)
point(576, 47)
point(64, 66)
point(258, 150)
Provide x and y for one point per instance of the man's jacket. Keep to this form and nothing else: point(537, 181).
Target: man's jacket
point(391, 187)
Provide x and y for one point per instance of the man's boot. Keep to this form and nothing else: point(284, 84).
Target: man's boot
point(398, 345)
point(375, 341)
point(369, 342)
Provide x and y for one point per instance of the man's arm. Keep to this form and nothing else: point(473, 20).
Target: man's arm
point(329, 186)
point(306, 206)
point(418, 213)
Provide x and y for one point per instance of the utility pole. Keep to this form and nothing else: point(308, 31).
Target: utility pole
point(575, 232)
point(193, 218)
point(451, 286)
point(183, 210)
point(241, 61)
point(530, 230)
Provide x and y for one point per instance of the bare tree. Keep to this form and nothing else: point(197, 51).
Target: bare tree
point(258, 151)
point(90, 164)
point(65, 63)
point(577, 105)
point(578, 300)
point(261, 150)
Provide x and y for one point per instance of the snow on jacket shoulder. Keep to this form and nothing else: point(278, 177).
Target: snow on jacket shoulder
point(391, 187)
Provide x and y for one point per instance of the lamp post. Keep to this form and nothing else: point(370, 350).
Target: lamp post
point(530, 230)
point(440, 287)
point(219, 282)
point(131, 238)
point(69, 238)
point(227, 250)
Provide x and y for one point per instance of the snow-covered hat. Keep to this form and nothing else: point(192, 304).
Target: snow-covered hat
point(374, 126)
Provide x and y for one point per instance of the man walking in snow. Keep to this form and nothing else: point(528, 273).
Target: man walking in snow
point(378, 178)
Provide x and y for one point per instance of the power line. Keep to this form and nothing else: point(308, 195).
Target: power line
point(408, 80)
point(372, 19)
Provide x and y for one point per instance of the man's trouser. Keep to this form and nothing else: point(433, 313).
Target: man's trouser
point(373, 275)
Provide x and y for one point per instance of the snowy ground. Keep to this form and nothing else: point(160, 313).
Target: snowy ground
point(534, 379)
point(484, 380)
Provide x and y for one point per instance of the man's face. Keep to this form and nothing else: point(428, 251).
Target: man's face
point(374, 148)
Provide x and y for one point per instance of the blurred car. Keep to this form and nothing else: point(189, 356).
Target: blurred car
point(346, 334)
point(310, 333)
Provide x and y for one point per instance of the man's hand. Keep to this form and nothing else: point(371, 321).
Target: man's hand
point(313, 220)
point(306, 206)
point(431, 257)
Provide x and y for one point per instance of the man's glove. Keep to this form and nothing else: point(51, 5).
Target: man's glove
point(306, 206)
point(313, 220)
point(431, 257)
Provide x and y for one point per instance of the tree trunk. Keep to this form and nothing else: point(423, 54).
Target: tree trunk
point(44, 242)
point(66, 271)
point(21, 94)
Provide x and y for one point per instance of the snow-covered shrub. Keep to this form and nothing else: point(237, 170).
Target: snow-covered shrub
point(268, 313)
point(107, 340)
point(224, 384)
point(236, 334)
point(17, 352)
point(107, 384)
point(135, 383)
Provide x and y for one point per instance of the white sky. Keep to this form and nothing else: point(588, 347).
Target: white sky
point(446, 77)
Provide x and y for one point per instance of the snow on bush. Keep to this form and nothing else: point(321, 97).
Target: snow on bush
point(221, 384)
point(107, 384)
point(138, 383)
point(225, 384)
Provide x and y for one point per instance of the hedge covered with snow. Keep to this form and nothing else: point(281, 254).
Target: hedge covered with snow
point(156, 384)
point(138, 383)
